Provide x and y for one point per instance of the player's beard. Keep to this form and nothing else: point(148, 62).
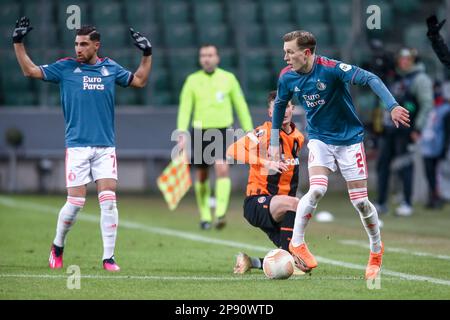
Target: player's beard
point(86, 58)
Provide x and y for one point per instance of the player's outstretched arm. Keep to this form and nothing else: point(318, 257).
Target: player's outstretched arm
point(399, 115)
point(243, 151)
point(141, 75)
point(29, 69)
point(246, 150)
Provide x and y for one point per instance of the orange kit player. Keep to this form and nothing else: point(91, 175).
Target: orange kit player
point(271, 202)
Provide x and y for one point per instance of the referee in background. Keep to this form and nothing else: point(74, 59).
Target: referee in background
point(210, 95)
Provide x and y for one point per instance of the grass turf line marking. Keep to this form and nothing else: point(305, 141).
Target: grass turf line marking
point(363, 244)
point(118, 277)
point(194, 237)
point(247, 277)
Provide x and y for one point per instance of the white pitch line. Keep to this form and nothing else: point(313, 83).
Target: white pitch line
point(177, 278)
point(194, 237)
point(363, 244)
point(386, 272)
point(118, 277)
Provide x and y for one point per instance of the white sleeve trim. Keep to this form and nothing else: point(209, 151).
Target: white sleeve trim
point(43, 72)
point(128, 79)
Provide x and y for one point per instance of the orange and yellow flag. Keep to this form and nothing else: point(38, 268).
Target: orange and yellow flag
point(175, 181)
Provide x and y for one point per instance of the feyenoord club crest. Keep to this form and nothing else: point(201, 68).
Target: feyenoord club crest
point(320, 85)
point(72, 176)
point(104, 71)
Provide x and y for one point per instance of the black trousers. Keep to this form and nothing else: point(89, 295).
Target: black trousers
point(394, 145)
point(431, 165)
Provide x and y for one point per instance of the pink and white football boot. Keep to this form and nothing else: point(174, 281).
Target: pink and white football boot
point(55, 261)
point(110, 265)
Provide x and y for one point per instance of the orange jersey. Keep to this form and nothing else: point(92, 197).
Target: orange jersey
point(252, 149)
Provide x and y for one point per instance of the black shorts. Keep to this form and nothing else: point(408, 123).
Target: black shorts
point(202, 159)
point(257, 213)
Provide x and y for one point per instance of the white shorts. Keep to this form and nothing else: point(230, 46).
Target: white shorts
point(86, 164)
point(350, 159)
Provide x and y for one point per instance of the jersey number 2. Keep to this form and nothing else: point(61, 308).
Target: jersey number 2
point(359, 160)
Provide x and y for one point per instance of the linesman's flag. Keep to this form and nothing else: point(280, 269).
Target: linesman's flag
point(175, 181)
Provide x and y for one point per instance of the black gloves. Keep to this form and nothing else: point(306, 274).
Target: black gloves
point(21, 30)
point(141, 42)
point(434, 26)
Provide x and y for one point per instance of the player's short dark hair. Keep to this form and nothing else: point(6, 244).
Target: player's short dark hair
point(207, 45)
point(305, 39)
point(271, 97)
point(94, 35)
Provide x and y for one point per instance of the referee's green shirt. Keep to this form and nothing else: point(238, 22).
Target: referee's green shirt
point(211, 98)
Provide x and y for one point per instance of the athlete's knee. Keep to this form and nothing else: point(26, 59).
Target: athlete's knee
point(107, 200)
point(290, 204)
point(363, 206)
point(280, 205)
point(77, 192)
point(318, 186)
point(317, 192)
point(71, 208)
point(107, 184)
point(360, 201)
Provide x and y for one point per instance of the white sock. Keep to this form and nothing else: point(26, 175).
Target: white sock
point(109, 221)
point(369, 216)
point(66, 218)
point(307, 205)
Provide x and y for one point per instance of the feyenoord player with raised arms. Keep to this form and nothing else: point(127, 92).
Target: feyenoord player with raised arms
point(335, 135)
point(87, 85)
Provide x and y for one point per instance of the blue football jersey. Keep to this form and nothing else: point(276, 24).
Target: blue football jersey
point(87, 98)
point(324, 94)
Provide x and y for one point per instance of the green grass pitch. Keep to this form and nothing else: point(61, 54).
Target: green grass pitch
point(164, 255)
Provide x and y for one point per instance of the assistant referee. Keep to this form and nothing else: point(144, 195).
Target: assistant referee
point(209, 96)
